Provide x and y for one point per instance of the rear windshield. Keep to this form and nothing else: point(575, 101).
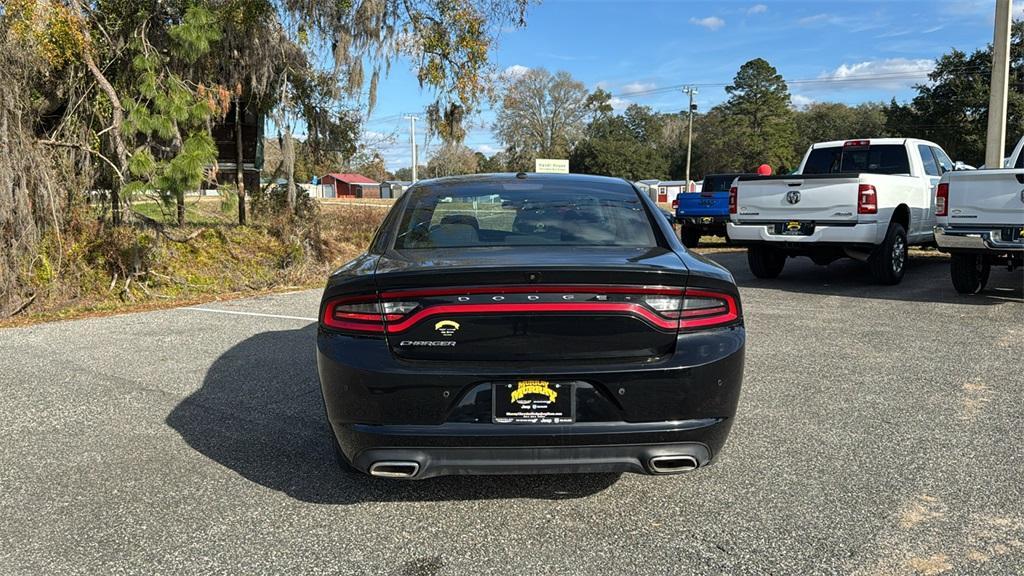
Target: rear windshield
point(1020, 160)
point(881, 159)
point(719, 182)
point(523, 214)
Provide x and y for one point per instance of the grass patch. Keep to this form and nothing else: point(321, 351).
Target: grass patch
point(101, 270)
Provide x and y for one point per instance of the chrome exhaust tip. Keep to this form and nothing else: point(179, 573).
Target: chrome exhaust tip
point(673, 464)
point(394, 469)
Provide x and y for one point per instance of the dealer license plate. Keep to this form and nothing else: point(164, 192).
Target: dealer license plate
point(795, 228)
point(533, 402)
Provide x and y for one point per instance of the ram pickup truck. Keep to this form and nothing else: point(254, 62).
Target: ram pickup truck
point(980, 221)
point(862, 199)
point(704, 213)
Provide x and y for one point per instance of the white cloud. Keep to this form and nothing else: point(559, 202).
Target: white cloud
point(757, 9)
point(638, 87)
point(515, 71)
point(487, 149)
point(619, 104)
point(818, 19)
point(711, 22)
point(800, 101)
point(893, 73)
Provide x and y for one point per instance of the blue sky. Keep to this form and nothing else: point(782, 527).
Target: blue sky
point(639, 50)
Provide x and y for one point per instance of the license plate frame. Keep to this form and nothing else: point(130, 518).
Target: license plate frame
point(531, 402)
point(1013, 234)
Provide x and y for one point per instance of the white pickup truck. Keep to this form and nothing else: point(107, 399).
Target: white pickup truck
point(980, 221)
point(863, 199)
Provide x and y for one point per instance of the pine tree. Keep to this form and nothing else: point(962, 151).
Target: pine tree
point(759, 108)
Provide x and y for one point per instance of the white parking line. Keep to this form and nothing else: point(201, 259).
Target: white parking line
point(249, 314)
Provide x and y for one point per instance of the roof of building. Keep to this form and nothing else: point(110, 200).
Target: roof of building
point(351, 178)
point(399, 182)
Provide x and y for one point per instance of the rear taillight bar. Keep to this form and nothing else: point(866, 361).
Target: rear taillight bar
point(667, 308)
point(733, 200)
point(942, 200)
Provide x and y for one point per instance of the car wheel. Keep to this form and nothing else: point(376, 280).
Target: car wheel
point(766, 261)
point(969, 272)
point(889, 261)
point(690, 237)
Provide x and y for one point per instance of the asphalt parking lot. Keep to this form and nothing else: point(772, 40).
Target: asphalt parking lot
point(879, 432)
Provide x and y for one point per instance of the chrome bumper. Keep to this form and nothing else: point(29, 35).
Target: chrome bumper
point(975, 239)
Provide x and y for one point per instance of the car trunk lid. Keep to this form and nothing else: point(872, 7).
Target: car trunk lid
point(537, 303)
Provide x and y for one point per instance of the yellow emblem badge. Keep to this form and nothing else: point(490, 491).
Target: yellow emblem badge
point(793, 226)
point(446, 327)
point(534, 387)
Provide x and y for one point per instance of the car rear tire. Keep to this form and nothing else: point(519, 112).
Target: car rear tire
point(969, 272)
point(889, 261)
point(765, 261)
point(690, 237)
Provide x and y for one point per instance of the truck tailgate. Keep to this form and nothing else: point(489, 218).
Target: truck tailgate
point(986, 197)
point(806, 198)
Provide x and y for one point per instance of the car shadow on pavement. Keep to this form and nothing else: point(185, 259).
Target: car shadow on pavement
point(926, 280)
point(260, 413)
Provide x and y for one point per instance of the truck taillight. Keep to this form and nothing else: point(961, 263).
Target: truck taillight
point(733, 200)
point(675, 204)
point(867, 199)
point(942, 200)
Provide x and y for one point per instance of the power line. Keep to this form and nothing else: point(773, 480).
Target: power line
point(826, 80)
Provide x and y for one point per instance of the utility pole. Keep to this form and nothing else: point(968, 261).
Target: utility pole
point(689, 138)
point(412, 142)
point(994, 146)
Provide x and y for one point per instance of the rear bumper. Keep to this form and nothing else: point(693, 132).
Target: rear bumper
point(974, 240)
point(703, 221)
point(863, 234)
point(439, 414)
point(556, 453)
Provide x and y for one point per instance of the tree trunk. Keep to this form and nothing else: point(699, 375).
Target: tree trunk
point(180, 201)
point(288, 154)
point(239, 160)
point(116, 120)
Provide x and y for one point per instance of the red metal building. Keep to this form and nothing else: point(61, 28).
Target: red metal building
point(350, 186)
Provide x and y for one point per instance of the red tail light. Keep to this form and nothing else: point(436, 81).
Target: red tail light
point(667, 308)
point(364, 314)
point(867, 199)
point(675, 204)
point(942, 200)
point(733, 200)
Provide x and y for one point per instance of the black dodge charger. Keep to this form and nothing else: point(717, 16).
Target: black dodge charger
point(528, 323)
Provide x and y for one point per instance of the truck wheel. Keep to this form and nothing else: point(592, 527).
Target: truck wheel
point(889, 261)
point(969, 272)
point(765, 261)
point(690, 237)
